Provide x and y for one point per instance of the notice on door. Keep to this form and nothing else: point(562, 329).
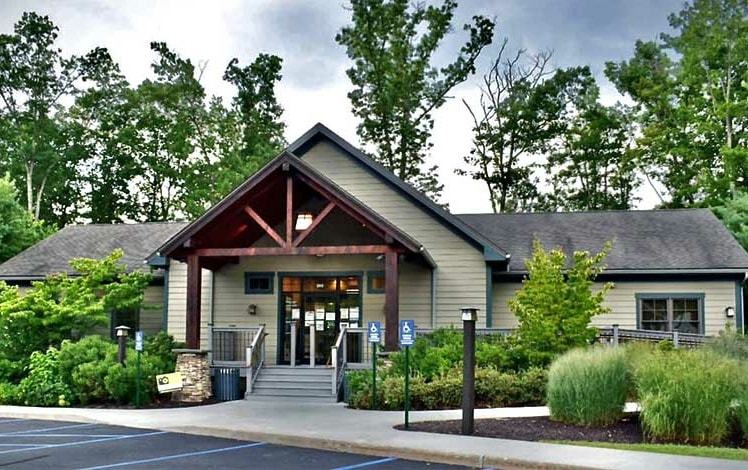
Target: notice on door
point(295, 314)
point(353, 313)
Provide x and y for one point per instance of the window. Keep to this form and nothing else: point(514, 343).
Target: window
point(375, 284)
point(671, 312)
point(258, 283)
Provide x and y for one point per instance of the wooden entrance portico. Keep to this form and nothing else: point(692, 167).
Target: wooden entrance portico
point(259, 219)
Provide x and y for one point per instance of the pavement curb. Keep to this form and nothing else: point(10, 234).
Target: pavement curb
point(470, 460)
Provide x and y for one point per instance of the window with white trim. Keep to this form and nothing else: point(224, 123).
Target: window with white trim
point(683, 313)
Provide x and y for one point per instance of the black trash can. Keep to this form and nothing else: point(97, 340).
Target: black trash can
point(226, 381)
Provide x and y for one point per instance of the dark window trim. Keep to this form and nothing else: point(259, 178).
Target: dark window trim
point(370, 275)
point(700, 296)
point(270, 276)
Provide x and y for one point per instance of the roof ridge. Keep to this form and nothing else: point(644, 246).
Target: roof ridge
point(596, 211)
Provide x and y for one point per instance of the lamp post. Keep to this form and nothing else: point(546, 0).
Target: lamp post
point(122, 332)
point(469, 317)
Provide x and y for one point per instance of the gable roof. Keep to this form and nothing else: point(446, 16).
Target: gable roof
point(286, 159)
point(52, 255)
point(492, 250)
point(683, 240)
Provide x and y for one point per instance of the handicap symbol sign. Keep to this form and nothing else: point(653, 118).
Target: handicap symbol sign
point(375, 329)
point(407, 332)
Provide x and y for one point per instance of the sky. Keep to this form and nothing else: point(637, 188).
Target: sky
point(314, 84)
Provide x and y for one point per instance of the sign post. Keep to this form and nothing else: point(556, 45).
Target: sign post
point(407, 338)
point(469, 317)
point(139, 349)
point(374, 336)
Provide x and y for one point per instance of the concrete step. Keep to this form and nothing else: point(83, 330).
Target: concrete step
point(292, 378)
point(292, 392)
point(297, 371)
point(284, 384)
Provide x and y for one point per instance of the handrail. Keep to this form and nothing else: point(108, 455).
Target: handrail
point(339, 361)
point(255, 357)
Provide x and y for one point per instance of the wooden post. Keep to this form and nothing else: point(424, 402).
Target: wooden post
point(675, 339)
point(289, 210)
point(391, 307)
point(194, 288)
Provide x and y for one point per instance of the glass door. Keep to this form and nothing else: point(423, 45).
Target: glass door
point(318, 306)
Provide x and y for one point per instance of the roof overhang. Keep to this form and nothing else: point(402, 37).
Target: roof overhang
point(288, 163)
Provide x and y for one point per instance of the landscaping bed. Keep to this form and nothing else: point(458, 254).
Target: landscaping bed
point(626, 431)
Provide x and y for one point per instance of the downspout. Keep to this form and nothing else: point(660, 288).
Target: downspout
point(489, 296)
point(165, 307)
point(433, 296)
point(211, 302)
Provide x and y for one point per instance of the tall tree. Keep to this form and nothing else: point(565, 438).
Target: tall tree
point(34, 79)
point(396, 87)
point(692, 102)
point(523, 108)
point(593, 166)
point(18, 230)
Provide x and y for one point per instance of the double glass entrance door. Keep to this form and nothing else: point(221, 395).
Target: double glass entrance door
point(318, 307)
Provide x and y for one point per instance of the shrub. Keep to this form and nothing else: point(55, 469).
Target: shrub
point(729, 343)
point(686, 396)
point(9, 394)
point(588, 386)
point(43, 386)
point(432, 355)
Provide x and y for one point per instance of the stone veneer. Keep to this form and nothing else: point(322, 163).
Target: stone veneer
point(194, 366)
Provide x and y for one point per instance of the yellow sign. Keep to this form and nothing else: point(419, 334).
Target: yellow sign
point(169, 382)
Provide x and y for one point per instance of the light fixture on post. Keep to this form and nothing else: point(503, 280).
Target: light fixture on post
point(303, 221)
point(730, 312)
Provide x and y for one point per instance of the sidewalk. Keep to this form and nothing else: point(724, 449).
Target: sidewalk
point(331, 426)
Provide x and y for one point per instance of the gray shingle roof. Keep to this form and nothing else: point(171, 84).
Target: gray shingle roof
point(685, 239)
point(51, 256)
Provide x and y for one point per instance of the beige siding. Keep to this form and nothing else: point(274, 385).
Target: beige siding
point(461, 273)
point(176, 315)
point(622, 302)
point(152, 313)
point(230, 307)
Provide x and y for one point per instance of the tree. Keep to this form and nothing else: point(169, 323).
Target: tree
point(396, 87)
point(690, 92)
point(523, 107)
point(594, 164)
point(734, 214)
point(18, 230)
point(34, 80)
point(556, 303)
point(64, 307)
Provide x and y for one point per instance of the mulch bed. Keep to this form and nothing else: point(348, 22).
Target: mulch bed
point(538, 429)
point(627, 431)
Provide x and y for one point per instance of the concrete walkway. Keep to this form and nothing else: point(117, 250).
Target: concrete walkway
point(331, 426)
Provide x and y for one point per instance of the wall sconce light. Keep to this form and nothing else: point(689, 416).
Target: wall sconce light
point(252, 309)
point(303, 221)
point(730, 312)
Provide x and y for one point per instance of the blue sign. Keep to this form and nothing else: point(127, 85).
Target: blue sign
point(139, 340)
point(375, 332)
point(407, 332)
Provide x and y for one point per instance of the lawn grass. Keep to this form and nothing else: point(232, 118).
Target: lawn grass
point(691, 451)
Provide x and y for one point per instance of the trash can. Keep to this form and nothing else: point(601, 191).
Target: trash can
point(227, 383)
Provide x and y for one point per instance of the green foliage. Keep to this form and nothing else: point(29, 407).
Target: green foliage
point(432, 355)
point(395, 86)
point(492, 387)
point(729, 343)
point(691, 101)
point(589, 386)
point(44, 386)
point(9, 394)
point(18, 230)
point(733, 212)
point(687, 396)
point(64, 307)
point(556, 303)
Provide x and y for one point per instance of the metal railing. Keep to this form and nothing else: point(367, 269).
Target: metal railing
point(255, 357)
point(616, 335)
point(229, 345)
point(339, 356)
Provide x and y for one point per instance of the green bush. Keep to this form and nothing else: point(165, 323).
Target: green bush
point(729, 343)
point(588, 386)
point(432, 355)
point(687, 396)
point(43, 386)
point(9, 394)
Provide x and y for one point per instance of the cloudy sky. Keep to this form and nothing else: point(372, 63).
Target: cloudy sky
point(314, 85)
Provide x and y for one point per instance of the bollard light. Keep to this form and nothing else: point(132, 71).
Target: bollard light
point(122, 332)
point(469, 317)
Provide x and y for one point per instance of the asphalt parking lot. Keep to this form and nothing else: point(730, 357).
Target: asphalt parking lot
point(38, 444)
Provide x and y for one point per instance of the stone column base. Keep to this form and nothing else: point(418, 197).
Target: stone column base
point(195, 369)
